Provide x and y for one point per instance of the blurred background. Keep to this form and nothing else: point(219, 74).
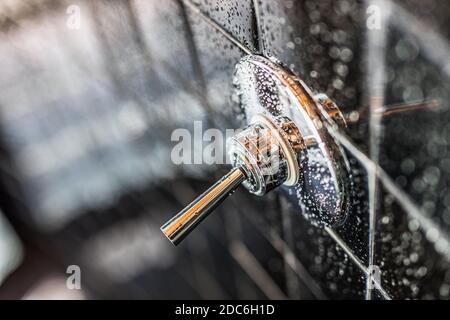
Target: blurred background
point(90, 92)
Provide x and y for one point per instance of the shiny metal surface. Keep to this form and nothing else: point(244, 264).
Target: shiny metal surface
point(284, 143)
point(177, 228)
point(264, 155)
point(271, 150)
point(263, 86)
point(268, 153)
point(331, 108)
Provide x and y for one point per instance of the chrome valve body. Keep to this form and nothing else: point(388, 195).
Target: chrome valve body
point(283, 142)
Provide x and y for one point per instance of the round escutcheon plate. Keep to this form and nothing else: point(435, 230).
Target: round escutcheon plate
point(264, 86)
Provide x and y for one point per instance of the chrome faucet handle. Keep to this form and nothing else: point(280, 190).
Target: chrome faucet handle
point(177, 228)
point(284, 143)
point(264, 156)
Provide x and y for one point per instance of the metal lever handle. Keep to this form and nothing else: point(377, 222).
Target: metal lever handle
point(177, 228)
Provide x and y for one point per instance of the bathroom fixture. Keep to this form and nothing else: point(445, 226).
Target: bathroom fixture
point(284, 144)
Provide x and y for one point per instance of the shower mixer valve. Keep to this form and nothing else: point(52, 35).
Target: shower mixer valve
point(283, 143)
point(264, 155)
